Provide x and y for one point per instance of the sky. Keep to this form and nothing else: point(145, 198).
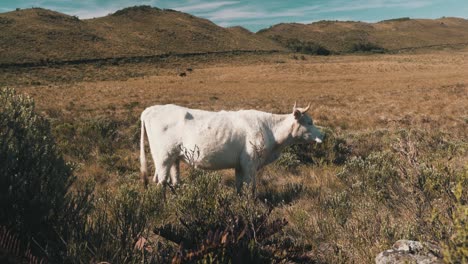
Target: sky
point(255, 15)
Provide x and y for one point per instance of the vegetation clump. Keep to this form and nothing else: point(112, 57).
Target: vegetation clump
point(219, 226)
point(397, 19)
point(34, 178)
point(366, 47)
point(129, 10)
point(306, 47)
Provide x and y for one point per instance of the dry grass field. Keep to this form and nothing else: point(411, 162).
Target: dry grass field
point(347, 92)
point(356, 198)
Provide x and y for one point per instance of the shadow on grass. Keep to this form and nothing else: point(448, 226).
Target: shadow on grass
point(285, 195)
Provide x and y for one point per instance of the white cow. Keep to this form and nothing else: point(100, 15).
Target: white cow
point(245, 140)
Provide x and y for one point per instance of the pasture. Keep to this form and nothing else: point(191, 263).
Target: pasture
point(393, 164)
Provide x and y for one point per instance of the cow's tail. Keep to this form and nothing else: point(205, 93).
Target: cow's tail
point(143, 165)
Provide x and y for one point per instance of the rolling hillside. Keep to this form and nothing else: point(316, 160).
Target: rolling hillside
point(395, 34)
point(37, 34)
point(40, 35)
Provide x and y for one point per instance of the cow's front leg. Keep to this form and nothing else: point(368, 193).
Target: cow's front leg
point(247, 173)
point(175, 172)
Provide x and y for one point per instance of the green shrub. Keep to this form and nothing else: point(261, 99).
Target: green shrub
point(306, 47)
point(376, 175)
point(100, 133)
point(366, 47)
point(289, 159)
point(34, 179)
point(396, 19)
point(217, 225)
point(333, 150)
point(456, 248)
point(113, 224)
point(365, 143)
point(128, 10)
point(340, 206)
point(94, 136)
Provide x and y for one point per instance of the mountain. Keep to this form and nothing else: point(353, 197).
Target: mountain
point(36, 34)
point(41, 35)
point(349, 36)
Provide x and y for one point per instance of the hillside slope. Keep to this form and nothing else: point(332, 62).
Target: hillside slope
point(343, 36)
point(37, 34)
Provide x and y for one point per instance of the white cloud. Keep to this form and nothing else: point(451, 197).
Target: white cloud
point(251, 12)
point(235, 12)
point(329, 18)
point(264, 14)
point(340, 6)
point(259, 12)
point(91, 13)
point(91, 9)
point(204, 6)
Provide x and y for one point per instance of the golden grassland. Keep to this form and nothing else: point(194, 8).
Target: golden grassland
point(365, 100)
point(348, 92)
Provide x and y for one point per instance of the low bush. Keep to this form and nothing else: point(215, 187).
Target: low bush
point(34, 178)
point(115, 226)
point(289, 159)
point(306, 47)
point(333, 150)
point(376, 175)
point(340, 206)
point(455, 249)
point(366, 47)
point(216, 225)
point(364, 143)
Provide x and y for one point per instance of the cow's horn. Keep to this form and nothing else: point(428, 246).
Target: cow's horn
point(306, 109)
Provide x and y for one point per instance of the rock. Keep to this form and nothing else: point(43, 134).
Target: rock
point(408, 251)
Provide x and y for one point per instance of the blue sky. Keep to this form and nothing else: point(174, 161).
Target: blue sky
point(256, 15)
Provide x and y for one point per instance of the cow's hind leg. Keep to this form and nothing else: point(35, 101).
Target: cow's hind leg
point(175, 172)
point(239, 179)
point(163, 167)
point(162, 173)
point(155, 177)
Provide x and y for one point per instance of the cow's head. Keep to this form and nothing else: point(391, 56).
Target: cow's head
point(303, 128)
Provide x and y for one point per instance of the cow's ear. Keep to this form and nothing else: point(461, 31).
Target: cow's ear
point(297, 114)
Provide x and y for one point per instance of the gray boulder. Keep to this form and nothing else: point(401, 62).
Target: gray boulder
point(408, 251)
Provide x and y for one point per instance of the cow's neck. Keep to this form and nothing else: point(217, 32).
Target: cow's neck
point(282, 131)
